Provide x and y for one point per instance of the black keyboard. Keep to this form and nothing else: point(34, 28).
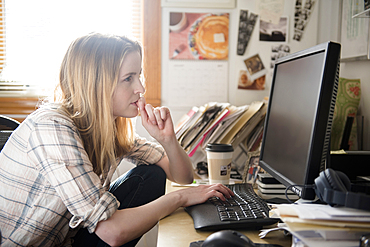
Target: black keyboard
point(244, 210)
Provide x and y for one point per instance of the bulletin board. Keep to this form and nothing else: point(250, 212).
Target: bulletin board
point(354, 34)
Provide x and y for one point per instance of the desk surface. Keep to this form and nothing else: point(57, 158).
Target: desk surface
point(177, 229)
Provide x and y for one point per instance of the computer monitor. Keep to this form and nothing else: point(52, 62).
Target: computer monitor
point(299, 117)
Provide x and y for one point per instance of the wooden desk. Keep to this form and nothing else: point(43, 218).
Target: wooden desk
point(177, 229)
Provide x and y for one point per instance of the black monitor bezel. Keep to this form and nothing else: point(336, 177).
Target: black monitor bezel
point(320, 138)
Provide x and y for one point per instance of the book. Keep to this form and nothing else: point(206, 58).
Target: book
point(211, 126)
point(187, 126)
point(253, 141)
point(212, 109)
point(247, 129)
point(233, 130)
point(185, 118)
point(207, 122)
point(266, 178)
point(216, 130)
point(229, 120)
point(267, 196)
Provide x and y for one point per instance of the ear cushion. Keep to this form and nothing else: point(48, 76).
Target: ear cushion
point(321, 182)
point(345, 180)
point(337, 180)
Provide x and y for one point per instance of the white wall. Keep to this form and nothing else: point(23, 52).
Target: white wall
point(324, 25)
point(329, 29)
point(236, 63)
point(361, 70)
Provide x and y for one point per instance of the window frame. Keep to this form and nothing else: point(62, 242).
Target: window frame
point(151, 39)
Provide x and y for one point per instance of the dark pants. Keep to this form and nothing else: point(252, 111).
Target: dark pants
point(139, 186)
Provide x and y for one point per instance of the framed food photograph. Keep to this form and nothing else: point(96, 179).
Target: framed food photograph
point(252, 167)
point(198, 36)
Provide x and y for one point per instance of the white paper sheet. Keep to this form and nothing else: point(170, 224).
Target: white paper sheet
point(195, 83)
point(324, 212)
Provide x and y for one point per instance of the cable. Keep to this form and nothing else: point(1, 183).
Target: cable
point(296, 185)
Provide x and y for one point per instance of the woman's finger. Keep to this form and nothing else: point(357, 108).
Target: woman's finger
point(220, 188)
point(141, 105)
point(164, 111)
point(149, 109)
point(158, 118)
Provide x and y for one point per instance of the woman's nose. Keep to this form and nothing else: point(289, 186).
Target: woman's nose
point(140, 88)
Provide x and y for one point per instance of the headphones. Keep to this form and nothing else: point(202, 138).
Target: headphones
point(334, 188)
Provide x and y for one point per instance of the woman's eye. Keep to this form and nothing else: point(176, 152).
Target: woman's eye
point(128, 78)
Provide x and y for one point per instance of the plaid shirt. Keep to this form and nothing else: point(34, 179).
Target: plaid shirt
point(47, 185)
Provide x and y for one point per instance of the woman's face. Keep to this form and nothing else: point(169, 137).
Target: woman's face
point(129, 87)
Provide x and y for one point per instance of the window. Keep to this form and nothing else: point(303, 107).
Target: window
point(38, 33)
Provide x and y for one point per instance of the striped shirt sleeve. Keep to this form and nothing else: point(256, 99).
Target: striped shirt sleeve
point(56, 149)
point(145, 152)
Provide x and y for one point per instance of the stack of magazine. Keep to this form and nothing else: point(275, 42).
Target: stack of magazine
point(240, 126)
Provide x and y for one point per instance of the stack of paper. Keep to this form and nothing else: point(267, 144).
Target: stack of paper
point(221, 123)
point(323, 225)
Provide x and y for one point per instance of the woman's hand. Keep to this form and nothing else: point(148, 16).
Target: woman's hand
point(157, 121)
point(202, 193)
point(144, 217)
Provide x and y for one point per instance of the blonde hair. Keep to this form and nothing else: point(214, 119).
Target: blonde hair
point(88, 76)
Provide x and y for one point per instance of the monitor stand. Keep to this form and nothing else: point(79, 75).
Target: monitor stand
point(314, 201)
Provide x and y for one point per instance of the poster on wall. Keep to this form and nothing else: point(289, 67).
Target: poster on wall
point(199, 36)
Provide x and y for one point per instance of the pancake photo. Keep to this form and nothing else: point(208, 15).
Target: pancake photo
point(199, 36)
point(209, 37)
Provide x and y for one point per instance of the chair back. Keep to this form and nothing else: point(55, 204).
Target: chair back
point(7, 126)
point(7, 123)
point(4, 136)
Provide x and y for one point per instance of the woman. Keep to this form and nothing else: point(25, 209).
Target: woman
point(57, 166)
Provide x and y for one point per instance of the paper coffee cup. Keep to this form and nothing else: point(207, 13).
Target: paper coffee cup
point(219, 157)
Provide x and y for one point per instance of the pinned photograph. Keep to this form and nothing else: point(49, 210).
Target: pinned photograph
point(246, 26)
point(301, 17)
point(278, 51)
point(255, 67)
point(252, 167)
point(246, 83)
point(272, 32)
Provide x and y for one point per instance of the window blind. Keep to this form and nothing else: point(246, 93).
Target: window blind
point(38, 37)
point(136, 19)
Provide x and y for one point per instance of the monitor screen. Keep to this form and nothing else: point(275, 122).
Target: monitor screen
point(299, 115)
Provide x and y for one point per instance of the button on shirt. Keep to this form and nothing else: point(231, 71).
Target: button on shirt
point(47, 185)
